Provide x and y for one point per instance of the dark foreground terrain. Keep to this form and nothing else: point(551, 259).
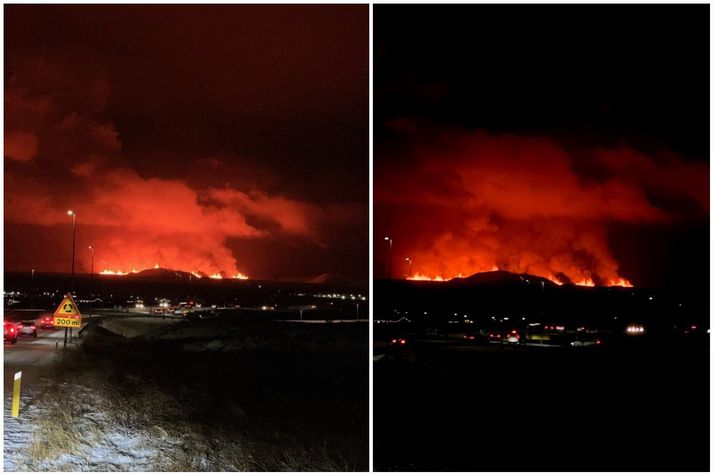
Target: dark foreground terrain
point(445, 407)
point(222, 394)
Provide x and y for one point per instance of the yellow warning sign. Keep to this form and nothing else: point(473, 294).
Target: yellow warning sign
point(68, 308)
point(71, 322)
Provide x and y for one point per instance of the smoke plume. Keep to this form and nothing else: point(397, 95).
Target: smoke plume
point(462, 202)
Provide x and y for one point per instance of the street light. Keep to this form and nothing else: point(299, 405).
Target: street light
point(32, 295)
point(91, 272)
point(410, 263)
point(74, 235)
point(391, 245)
point(91, 281)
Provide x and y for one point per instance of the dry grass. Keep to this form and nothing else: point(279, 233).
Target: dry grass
point(245, 412)
point(57, 433)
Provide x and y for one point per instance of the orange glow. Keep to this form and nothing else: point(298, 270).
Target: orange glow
point(470, 201)
point(586, 282)
point(418, 276)
point(621, 282)
point(196, 274)
point(112, 272)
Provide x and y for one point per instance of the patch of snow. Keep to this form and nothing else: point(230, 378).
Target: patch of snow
point(17, 434)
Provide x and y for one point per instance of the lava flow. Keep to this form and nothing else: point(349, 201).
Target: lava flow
point(587, 282)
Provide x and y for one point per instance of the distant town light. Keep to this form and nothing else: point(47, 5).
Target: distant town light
point(635, 329)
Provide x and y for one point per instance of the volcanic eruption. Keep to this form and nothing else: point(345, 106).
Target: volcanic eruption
point(457, 203)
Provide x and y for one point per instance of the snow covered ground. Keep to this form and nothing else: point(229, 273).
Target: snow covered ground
point(74, 433)
point(128, 396)
point(17, 435)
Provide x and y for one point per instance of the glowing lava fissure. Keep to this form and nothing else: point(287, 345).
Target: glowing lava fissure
point(586, 282)
point(197, 274)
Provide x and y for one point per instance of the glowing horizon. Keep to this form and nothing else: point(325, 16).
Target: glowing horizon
point(586, 282)
point(197, 274)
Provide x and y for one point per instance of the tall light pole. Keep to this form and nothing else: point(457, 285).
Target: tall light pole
point(32, 295)
point(410, 264)
point(91, 272)
point(391, 245)
point(74, 235)
point(91, 281)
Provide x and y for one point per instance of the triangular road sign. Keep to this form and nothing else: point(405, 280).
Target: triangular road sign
point(68, 308)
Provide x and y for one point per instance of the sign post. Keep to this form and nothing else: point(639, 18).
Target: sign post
point(67, 315)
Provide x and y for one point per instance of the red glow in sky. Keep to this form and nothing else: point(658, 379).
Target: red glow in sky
point(471, 202)
point(211, 153)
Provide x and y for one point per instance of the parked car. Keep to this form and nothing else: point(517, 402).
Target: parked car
point(28, 328)
point(10, 332)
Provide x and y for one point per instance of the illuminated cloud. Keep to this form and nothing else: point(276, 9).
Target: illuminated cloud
point(465, 202)
point(20, 146)
point(134, 219)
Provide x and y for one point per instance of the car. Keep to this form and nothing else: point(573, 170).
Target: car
point(582, 342)
point(495, 337)
point(47, 323)
point(475, 338)
point(10, 332)
point(27, 328)
point(513, 338)
point(399, 342)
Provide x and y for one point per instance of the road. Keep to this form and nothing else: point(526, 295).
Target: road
point(33, 352)
point(30, 355)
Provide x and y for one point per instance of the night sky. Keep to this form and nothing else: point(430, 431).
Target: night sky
point(217, 139)
point(570, 142)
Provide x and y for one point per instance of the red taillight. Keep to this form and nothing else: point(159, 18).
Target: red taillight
point(472, 338)
point(403, 342)
point(393, 341)
point(598, 342)
point(12, 330)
